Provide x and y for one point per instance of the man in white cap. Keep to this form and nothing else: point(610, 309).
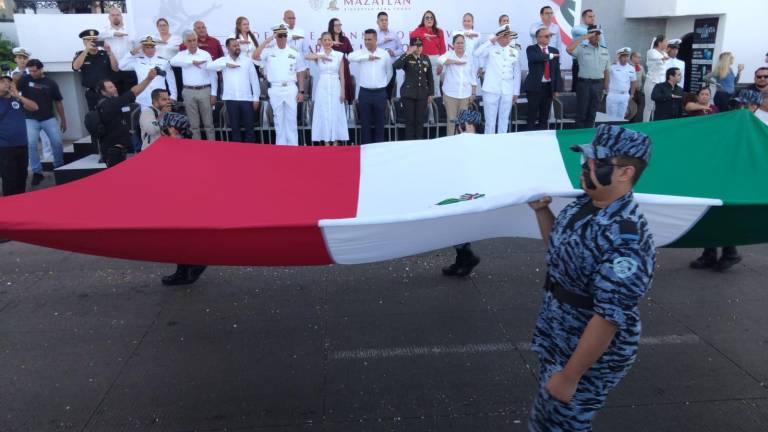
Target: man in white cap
point(141, 60)
point(20, 57)
point(502, 78)
point(284, 67)
point(622, 85)
point(672, 49)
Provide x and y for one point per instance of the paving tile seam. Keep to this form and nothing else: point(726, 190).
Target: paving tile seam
point(121, 370)
point(757, 381)
point(688, 402)
point(325, 344)
point(522, 410)
point(495, 313)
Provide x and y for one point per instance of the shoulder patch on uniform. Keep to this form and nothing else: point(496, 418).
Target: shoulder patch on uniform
point(628, 231)
point(624, 267)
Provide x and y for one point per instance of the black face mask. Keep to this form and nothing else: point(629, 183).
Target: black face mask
point(603, 173)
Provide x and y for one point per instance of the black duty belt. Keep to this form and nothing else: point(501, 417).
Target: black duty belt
point(591, 80)
point(564, 296)
point(200, 87)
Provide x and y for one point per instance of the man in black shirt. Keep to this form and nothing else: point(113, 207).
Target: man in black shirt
point(94, 64)
point(668, 97)
point(45, 92)
point(115, 112)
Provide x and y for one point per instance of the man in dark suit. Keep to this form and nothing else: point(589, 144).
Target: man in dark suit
point(668, 97)
point(543, 81)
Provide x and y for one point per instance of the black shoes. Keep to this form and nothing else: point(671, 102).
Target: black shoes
point(727, 261)
point(708, 260)
point(37, 178)
point(705, 261)
point(466, 261)
point(185, 275)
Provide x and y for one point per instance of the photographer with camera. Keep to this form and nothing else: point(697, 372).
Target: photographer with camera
point(95, 63)
point(177, 125)
point(114, 113)
point(143, 63)
point(149, 120)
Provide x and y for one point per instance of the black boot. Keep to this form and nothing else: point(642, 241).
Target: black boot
point(729, 259)
point(708, 259)
point(467, 261)
point(185, 275)
point(453, 268)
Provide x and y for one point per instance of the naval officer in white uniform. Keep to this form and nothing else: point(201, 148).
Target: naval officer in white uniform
point(284, 67)
point(142, 63)
point(672, 49)
point(501, 85)
point(622, 85)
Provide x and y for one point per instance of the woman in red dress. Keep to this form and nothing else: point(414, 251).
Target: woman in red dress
point(342, 44)
point(433, 40)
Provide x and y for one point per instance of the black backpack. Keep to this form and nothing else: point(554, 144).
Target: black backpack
point(94, 124)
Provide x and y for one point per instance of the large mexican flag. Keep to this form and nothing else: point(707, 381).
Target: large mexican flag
point(242, 204)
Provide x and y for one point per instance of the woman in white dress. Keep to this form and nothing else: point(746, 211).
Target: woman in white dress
point(169, 43)
point(329, 119)
point(244, 36)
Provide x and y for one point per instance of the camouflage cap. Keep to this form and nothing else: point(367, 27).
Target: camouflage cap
point(611, 141)
point(180, 122)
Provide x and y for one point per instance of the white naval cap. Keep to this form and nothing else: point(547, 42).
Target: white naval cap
point(674, 43)
point(624, 51)
point(21, 51)
point(280, 29)
point(506, 30)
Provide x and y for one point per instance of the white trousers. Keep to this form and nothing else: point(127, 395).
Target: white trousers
point(497, 105)
point(650, 105)
point(616, 104)
point(284, 105)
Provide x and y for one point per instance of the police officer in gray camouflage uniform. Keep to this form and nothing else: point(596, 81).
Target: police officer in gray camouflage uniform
point(600, 260)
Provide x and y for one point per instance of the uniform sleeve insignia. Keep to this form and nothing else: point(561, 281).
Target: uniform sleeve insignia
point(628, 231)
point(624, 267)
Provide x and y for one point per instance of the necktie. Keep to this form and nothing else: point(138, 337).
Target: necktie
point(546, 65)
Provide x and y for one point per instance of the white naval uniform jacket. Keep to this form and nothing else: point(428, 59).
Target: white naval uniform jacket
point(502, 68)
point(142, 65)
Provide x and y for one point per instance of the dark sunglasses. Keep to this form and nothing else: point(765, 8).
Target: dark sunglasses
point(761, 76)
point(601, 163)
point(280, 36)
point(429, 18)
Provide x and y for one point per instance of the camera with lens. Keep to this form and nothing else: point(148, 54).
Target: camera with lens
point(5, 67)
point(160, 72)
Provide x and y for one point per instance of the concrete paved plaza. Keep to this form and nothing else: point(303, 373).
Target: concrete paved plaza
point(94, 344)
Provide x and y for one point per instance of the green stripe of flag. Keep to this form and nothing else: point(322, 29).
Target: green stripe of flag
point(722, 156)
